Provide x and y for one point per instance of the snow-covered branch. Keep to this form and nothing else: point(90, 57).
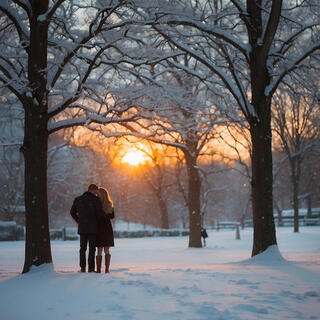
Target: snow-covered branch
point(213, 30)
point(17, 20)
point(237, 94)
point(293, 64)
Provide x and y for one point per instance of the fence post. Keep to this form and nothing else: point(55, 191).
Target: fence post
point(64, 234)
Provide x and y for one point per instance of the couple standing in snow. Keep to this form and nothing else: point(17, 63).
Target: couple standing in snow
point(92, 211)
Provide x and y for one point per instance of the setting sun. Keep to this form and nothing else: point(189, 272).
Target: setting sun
point(134, 157)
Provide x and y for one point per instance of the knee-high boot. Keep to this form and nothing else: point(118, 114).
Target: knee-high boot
point(98, 263)
point(107, 262)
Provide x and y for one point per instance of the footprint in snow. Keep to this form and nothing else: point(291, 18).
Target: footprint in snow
point(137, 274)
point(313, 294)
point(253, 285)
point(250, 308)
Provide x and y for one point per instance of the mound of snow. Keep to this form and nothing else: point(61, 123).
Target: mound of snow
point(47, 268)
point(269, 257)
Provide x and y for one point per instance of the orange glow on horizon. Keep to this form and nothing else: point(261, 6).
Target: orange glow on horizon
point(134, 154)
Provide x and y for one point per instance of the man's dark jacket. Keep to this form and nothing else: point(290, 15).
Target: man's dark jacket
point(85, 211)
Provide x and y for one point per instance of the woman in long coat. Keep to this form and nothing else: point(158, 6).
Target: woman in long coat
point(105, 238)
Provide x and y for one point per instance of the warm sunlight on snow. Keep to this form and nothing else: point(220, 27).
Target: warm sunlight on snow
point(220, 281)
point(134, 158)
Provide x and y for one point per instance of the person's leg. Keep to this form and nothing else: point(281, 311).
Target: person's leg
point(83, 248)
point(99, 259)
point(92, 250)
point(107, 258)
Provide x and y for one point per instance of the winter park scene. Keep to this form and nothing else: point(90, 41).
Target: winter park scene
point(159, 159)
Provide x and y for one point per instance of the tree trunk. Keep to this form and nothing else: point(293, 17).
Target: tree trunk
point(309, 203)
point(264, 234)
point(35, 146)
point(163, 212)
point(262, 204)
point(279, 214)
point(194, 186)
point(37, 244)
point(295, 193)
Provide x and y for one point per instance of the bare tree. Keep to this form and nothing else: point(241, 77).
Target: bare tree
point(50, 61)
point(296, 123)
point(157, 177)
point(249, 47)
point(179, 115)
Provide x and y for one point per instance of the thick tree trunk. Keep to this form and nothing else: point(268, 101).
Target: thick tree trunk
point(262, 204)
point(194, 186)
point(264, 234)
point(37, 244)
point(35, 147)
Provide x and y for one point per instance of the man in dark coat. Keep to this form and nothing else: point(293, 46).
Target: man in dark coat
point(85, 211)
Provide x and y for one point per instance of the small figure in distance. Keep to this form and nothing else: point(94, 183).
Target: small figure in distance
point(105, 238)
point(204, 235)
point(85, 211)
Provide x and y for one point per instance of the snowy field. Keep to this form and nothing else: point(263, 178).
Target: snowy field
point(161, 279)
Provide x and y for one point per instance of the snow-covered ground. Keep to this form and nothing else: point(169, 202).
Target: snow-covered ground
point(161, 279)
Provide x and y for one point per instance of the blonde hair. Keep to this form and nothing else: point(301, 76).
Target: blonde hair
point(107, 204)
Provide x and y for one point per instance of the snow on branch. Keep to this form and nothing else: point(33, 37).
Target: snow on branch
point(66, 123)
point(16, 19)
point(9, 69)
point(236, 93)
point(211, 30)
point(24, 4)
point(11, 84)
point(287, 43)
point(89, 118)
point(138, 62)
point(293, 63)
point(51, 11)
point(85, 41)
point(146, 136)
